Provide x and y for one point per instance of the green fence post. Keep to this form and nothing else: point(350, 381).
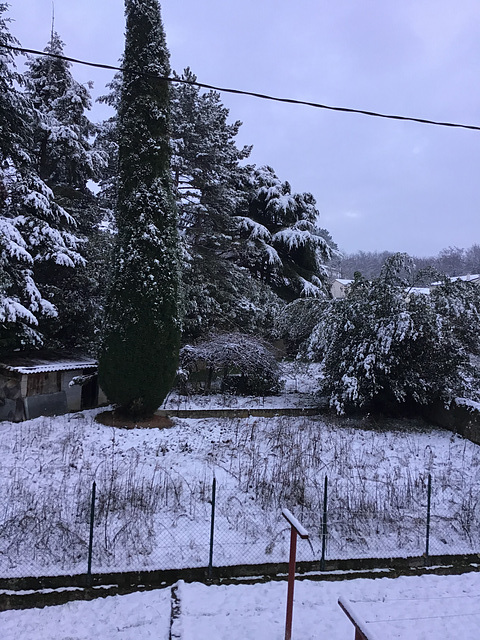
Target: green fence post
point(324, 524)
point(429, 503)
point(212, 528)
point(90, 541)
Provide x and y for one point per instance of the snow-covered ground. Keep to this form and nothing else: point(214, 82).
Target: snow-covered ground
point(413, 608)
point(153, 502)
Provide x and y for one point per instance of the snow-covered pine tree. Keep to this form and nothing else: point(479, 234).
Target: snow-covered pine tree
point(210, 187)
point(63, 136)
point(139, 356)
point(205, 162)
point(66, 160)
point(284, 245)
point(106, 142)
point(34, 229)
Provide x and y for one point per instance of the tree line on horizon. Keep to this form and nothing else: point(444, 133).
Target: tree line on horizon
point(451, 261)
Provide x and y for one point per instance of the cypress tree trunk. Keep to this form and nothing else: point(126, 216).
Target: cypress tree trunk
point(139, 355)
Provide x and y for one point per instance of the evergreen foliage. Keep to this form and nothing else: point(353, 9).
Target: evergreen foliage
point(63, 149)
point(66, 159)
point(208, 180)
point(384, 345)
point(228, 276)
point(284, 245)
point(34, 229)
point(295, 322)
point(142, 331)
point(222, 296)
point(205, 164)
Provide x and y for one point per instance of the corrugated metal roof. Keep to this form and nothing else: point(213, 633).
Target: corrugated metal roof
point(25, 366)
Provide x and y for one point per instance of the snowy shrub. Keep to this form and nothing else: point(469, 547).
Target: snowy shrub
point(385, 346)
point(245, 364)
point(296, 321)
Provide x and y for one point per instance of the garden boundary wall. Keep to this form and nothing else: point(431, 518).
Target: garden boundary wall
point(35, 592)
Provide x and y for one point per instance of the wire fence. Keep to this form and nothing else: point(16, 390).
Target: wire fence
point(101, 533)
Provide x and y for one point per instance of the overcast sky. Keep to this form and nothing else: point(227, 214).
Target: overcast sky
point(379, 184)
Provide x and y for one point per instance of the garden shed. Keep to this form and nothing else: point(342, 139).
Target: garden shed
point(42, 386)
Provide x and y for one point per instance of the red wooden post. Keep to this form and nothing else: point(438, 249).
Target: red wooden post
point(361, 632)
point(295, 528)
point(291, 583)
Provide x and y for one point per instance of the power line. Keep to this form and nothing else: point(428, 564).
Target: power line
point(253, 94)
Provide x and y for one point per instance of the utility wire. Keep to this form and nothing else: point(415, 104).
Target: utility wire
point(262, 96)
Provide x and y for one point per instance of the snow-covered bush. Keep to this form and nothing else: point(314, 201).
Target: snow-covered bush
point(296, 321)
point(244, 364)
point(385, 345)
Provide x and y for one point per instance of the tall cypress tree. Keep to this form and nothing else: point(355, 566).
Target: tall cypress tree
point(142, 328)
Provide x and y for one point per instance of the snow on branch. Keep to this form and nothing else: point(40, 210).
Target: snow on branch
point(12, 310)
point(272, 255)
point(293, 238)
point(256, 229)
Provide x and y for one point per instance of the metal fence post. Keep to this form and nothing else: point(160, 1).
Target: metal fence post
point(90, 541)
point(324, 524)
point(212, 528)
point(429, 502)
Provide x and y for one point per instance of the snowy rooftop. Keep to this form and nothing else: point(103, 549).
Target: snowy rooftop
point(28, 365)
point(418, 290)
point(471, 277)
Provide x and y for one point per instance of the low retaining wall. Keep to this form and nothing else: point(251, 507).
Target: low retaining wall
point(238, 413)
point(30, 592)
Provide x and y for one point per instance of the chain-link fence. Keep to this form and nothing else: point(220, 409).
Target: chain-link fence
point(214, 527)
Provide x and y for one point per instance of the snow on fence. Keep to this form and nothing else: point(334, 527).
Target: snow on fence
point(220, 529)
point(154, 508)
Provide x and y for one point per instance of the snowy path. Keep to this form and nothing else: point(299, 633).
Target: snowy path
point(440, 607)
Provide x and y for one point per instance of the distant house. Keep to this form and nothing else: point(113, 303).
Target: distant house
point(339, 287)
point(474, 278)
point(34, 386)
